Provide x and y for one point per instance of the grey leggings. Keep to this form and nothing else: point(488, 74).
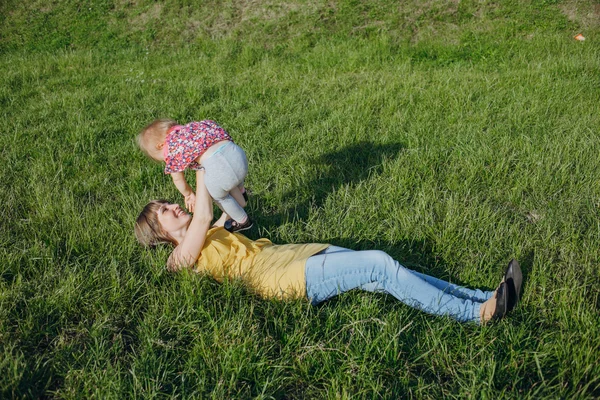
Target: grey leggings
point(226, 169)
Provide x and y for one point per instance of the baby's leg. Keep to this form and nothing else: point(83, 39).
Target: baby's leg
point(224, 216)
point(238, 196)
point(244, 191)
point(223, 194)
point(225, 171)
point(233, 208)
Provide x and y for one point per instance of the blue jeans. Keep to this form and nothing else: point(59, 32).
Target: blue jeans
point(337, 270)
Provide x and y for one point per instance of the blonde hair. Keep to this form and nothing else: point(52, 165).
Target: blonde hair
point(152, 135)
point(148, 230)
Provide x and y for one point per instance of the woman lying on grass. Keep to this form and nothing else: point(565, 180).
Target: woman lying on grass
point(315, 271)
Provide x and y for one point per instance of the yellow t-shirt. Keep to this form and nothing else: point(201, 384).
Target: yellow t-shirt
point(270, 270)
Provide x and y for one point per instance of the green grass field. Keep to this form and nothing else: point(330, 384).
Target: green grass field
point(453, 135)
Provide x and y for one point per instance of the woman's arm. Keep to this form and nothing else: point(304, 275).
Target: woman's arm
point(185, 189)
point(187, 252)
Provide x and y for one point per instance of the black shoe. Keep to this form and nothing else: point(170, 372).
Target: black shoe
point(232, 225)
point(502, 300)
point(514, 279)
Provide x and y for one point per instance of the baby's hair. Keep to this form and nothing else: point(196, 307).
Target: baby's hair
point(153, 134)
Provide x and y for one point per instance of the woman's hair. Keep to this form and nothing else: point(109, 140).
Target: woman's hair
point(154, 134)
point(148, 230)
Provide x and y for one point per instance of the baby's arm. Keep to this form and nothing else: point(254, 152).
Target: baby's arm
point(184, 189)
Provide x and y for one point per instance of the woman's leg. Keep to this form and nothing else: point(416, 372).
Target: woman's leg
point(459, 291)
point(329, 274)
point(456, 290)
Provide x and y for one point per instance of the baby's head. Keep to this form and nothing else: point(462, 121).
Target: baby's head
point(152, 138)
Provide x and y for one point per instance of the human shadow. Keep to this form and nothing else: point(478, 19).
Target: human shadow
point(347, 166)
point(351, 165)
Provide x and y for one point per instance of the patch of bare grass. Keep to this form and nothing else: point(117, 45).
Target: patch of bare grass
point(585, 14)
point(140, 21)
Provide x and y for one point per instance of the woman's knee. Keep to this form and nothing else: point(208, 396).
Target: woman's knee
point(381, 256)
point(390, 267)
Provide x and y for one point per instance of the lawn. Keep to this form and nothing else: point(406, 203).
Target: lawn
point(453, 135)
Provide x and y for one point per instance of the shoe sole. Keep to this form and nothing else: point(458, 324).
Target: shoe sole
point(244, 228)
point(502, 300)
point(513, 278)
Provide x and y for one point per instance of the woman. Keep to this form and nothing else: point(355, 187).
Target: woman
point(315, 271)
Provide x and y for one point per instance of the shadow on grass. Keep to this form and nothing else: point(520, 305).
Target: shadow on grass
point(352, 165)
point(347, 166)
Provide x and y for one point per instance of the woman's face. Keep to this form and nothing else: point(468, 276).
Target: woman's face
point(172, 218)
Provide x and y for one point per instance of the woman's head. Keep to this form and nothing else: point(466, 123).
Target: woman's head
point(152, 138)
point(161, 222)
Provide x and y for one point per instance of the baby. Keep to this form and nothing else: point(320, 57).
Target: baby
point(200, 145)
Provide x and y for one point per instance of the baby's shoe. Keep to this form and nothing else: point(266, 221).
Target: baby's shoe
point(232, 225)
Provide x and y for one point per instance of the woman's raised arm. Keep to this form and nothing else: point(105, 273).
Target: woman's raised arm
point(187, 252)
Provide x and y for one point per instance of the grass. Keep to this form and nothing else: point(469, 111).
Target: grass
point(453, 136)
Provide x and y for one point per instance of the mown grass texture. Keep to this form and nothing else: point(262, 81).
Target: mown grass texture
point(453, 136)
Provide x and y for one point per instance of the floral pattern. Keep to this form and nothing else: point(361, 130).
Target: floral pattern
point(185, 143)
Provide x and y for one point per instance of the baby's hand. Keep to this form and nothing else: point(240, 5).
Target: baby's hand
point(190, 202)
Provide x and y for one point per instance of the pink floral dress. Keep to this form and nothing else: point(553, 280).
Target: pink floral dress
point(185, 143)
